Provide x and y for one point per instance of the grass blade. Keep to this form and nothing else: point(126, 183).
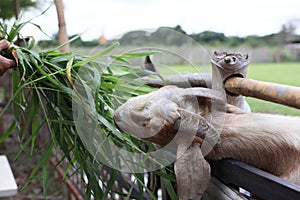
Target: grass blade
point(8, 132)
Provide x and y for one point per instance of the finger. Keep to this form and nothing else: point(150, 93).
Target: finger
point(4, 44)
point(10, 63)
point(5, 64)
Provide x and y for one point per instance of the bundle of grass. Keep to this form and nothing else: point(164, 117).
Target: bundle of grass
point(44, 81)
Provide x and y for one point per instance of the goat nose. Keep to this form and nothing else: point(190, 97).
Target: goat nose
point(231, 60)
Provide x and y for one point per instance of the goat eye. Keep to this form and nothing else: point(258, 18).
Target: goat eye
point(147, 106)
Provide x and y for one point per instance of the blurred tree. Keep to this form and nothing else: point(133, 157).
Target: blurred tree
point(134, 38)
point(271, 39)
point(234, 41)
point(179, 29)
point(287, 33)
point(209, 37)
point(9, 8)
point(254, 41)
point(163, 35)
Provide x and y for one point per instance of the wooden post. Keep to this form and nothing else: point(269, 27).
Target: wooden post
point(277, 93)
point(16, 8)
point(62, 28)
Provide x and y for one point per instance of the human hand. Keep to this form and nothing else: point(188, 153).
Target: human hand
point(5, 63)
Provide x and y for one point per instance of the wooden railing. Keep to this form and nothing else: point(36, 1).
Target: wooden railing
point(258, 182)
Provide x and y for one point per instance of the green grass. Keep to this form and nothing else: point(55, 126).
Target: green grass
point(283, 73)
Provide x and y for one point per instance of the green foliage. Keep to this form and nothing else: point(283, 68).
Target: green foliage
point(214, 39)
point(43, 83)
point(77, 42)
point(235, 41)
point(134, 38)
point(7, 7)
point(179, 29)
point(255, 41)
point(209, 38)
point(47, 43)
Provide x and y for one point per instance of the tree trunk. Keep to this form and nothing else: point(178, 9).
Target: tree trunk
point(62, 29)
point(16, 8)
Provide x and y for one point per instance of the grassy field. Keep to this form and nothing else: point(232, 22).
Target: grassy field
point(284, 73)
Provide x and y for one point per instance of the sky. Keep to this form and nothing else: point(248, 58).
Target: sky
point(115, 17)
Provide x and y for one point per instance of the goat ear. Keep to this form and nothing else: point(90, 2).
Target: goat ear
point(149, 65)
point(192, 172)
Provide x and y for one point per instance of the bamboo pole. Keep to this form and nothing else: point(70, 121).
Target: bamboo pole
point(277, 93)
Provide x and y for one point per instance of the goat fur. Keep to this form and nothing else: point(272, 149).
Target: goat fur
point(269, 142)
